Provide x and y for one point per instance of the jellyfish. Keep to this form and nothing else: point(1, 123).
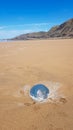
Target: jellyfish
point(39, 92)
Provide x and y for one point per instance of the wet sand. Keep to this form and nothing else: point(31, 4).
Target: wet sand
point(25, 63)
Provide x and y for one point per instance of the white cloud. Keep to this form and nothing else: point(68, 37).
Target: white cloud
point(12, 33)
point(15, 30)
point(2, 27)
point(19, 25)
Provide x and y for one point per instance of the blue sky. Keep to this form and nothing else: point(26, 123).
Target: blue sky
point(23, 16)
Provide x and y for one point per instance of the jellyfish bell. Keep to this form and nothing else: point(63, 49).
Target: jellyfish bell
point(39, 92)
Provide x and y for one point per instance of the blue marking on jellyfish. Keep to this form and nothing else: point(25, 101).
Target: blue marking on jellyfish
point(39, 92)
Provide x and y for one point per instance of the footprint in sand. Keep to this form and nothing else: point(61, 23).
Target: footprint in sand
point(63, 100)
point(29, 104)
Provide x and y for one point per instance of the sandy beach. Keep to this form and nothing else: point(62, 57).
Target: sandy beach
point(26, 63)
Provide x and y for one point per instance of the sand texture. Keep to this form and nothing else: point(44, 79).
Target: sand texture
point(26, 63)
